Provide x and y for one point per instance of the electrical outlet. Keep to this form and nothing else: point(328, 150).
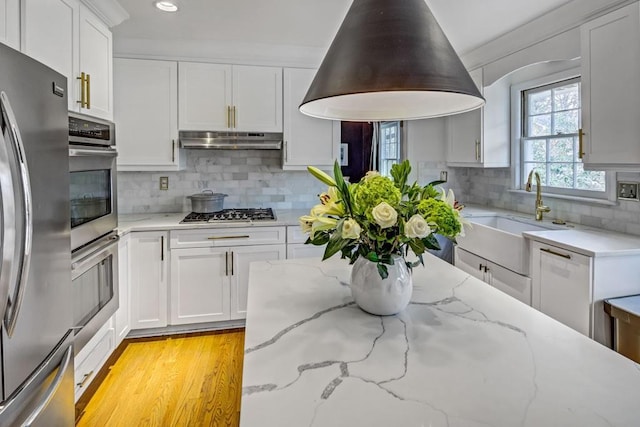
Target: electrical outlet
point(164, 182)
point(443, 176)
point(627, 191)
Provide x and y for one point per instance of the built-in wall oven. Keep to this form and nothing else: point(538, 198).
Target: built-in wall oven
point(94, 218)
point(92, 164)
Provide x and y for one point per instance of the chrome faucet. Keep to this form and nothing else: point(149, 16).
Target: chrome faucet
point(540, 208)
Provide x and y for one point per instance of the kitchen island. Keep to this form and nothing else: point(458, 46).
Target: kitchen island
point(461, 354)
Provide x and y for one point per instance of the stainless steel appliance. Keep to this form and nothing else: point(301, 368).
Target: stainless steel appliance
point(231, 215)
point(94, 272)
point(230, 140)
point(35, 275)
point(92, 163)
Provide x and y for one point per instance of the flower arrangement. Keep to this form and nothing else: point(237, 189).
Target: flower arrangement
point(380, 217)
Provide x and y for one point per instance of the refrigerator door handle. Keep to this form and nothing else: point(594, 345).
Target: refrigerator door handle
point(22, 210)
point(53, 388)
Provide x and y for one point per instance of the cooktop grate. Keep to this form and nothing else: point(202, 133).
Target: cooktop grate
point(228, 215)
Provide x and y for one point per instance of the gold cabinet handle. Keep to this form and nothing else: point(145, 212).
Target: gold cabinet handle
point(82, 79)
point(232, 263)
point(549, 251)
point(477, 149)
point(161, 248)
point(226, 263)
point(235, 124)
point(173, 151)
point(227, 237)
point(228, 116)
point(580, 143)
point(88, 83)
point(84, 380)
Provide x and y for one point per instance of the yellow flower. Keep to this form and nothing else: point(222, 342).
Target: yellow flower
point(351, 229)
point(306, 223)
point(384, 215)
point(332, 202)
point(371, 174)
point(323, 223)
point(417, 227)
point(322, 176)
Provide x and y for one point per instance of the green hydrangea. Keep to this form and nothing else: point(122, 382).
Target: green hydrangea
point(371, 191)
point(439, 212)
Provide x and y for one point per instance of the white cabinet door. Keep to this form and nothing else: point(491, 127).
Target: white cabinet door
point(218, 97)
point(10, 23)
point(610, 88)
point(205, 100)
point(481, 138)
point(241, 257)
point(148, 267)
point(123, 315)
point(199, 285)
point(470, 263)
point(509, 282)
point(96, 62)
point(300, 250)
point(257, 99)
point(49, 34)
point(563, 286)
point(307, 140)
point(145, 113)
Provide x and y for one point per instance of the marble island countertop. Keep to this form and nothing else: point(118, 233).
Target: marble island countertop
point(461, 354)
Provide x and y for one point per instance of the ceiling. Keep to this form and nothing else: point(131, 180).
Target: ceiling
point(313, 23)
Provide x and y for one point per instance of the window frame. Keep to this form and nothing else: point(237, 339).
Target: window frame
point(517, 134)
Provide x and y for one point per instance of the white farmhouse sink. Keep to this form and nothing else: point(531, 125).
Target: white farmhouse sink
point(499, 239)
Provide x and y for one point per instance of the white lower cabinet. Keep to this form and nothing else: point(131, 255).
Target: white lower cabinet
point(123, 315)
point(571, 286)
point(210, 270)
point(296, 247)
point(92, 357)
point(148, 269)
point(505, 280)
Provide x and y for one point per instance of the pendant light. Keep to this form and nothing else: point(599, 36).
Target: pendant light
point(390, 60)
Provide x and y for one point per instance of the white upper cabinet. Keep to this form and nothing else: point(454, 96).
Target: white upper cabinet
point(96, 56)
point(480, 138)
point(146, 115)
point(611, 90)
point(10, 23)
point(219, 97)
point(69, 38)
point(307, 140)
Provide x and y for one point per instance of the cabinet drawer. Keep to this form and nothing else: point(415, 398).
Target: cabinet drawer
point(87, 369)
point(223, 237)
point(296, 235)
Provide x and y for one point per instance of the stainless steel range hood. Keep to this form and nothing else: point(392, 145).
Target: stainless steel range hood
point(230, 140)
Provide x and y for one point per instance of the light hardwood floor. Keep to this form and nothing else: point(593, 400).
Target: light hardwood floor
point(185, 381)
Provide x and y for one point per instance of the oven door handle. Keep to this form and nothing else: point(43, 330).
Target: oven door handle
point(78, 152)
point(102, 252)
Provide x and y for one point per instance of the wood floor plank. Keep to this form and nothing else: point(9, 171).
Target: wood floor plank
point(185, 381)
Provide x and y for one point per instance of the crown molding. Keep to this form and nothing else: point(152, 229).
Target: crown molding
point(218, 52)
point(560, 20)
point(109, 11)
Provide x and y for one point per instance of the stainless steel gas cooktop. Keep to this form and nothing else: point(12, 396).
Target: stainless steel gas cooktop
point(231, 215)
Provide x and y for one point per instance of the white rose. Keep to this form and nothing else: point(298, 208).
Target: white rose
point(350, 229)
point(384, 215)
point(417, 227)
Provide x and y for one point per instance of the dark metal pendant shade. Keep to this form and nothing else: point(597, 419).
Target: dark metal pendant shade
point(390, 60)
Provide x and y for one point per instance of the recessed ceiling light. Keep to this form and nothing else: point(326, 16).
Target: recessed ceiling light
point(167, 6)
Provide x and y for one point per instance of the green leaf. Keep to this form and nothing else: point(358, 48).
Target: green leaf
point(336, 243)
point(417, 246)
point(430, 242)
point(382, 270)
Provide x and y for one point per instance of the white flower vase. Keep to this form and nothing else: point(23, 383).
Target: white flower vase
point(375, 295)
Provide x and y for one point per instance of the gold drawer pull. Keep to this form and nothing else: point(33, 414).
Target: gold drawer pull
point(228, 237)
point(549, 251)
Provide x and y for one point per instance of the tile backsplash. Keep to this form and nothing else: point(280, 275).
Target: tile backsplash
point(251, 178)
point(490, 187)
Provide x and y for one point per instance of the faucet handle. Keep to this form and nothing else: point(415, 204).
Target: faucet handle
point(543, 208)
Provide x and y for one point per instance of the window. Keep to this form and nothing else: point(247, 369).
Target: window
point(389, 146)
point(549, 141)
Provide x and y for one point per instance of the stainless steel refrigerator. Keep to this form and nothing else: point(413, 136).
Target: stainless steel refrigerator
point(35, 271)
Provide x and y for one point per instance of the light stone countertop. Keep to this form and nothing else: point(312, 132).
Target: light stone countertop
point(461, 354)
point(171, 221)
